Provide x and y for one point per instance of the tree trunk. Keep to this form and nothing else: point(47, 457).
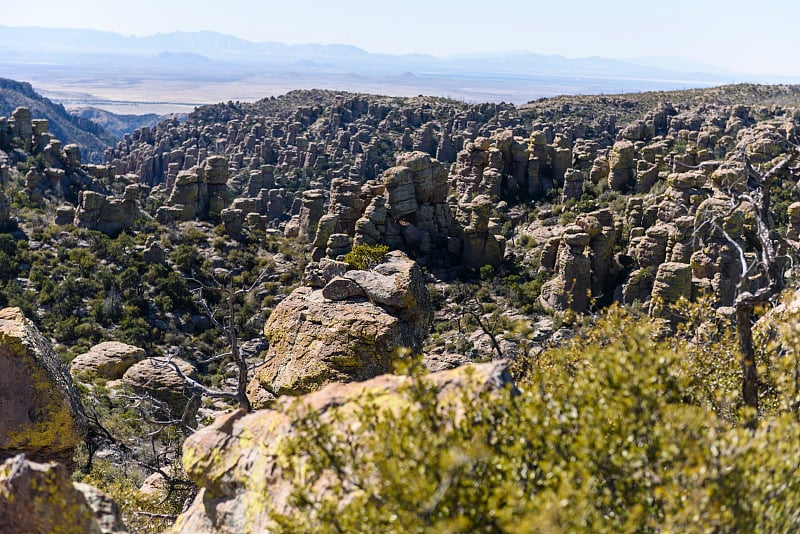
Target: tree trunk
point(744, 329)
point(238, 357)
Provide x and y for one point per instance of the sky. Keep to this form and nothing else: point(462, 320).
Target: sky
point(757, 37)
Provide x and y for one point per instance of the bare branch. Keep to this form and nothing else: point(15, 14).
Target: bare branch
point(194, 384)
point(216, 358)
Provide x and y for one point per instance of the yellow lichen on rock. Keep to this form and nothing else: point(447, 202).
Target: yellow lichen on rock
point(40, 410)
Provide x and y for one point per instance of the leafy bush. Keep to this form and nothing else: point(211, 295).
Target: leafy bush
point(615, 432)
point(365, 257)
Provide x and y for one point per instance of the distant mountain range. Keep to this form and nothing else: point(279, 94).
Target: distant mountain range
point(202, 48)
point(178, 71)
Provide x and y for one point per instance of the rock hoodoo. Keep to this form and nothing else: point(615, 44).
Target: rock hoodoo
point(351, 326)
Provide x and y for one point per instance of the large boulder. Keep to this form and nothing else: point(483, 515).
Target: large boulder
point(240, 482)
point(159, 380)
point(39, 498)
point(108, 360)
point(40, 409)
point(341, 334)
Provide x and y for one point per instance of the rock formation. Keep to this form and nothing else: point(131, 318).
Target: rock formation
point(39, 498)
point(583, 262)
point(105, 213)
point(159, 380)
point(40, 413)
point(352, 326)
point(479, 245)
point(240, 483)
point(108, 360)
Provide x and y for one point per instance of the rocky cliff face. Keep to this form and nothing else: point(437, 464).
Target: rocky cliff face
point(240, 483)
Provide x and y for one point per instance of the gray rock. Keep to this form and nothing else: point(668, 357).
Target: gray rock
point(341, 288)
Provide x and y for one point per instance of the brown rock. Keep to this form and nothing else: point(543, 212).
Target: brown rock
point(240, 482)
point(109, 360)
point(40, 409)
point(39, 498)
point(314, 340)
point(155, 378)
point(622, 165)
point(106, 511)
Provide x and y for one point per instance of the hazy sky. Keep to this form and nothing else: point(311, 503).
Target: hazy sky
point(756, 36)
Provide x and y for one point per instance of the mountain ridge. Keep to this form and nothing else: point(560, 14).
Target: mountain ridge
point(92, 138)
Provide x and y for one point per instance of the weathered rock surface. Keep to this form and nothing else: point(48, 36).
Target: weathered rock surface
point(108, 360)
point(106, 511)
point(107, 214)
point(159, 380)
point(582, 259)
point(479, 245)
point(351, 329)
point(40, 409)
point(241, 482)
point(38, 498)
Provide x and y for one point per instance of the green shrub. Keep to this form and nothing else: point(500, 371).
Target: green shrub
point(365, 257)
point(618, 431)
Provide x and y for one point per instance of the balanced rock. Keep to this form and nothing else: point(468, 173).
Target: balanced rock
point(315, 340)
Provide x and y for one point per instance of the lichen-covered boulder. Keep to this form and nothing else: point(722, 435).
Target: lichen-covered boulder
point(352, 329)
point(40, 409)
point(106, 512)
point(39, 498)
point(108, 360)
point(236, 460)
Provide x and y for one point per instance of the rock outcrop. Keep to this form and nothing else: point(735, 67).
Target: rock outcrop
point(240, 483)
point(107, 214)
point(40, 409)
point(353, 326)
point(407, 210)
point(582, 260)
point(479, 245)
